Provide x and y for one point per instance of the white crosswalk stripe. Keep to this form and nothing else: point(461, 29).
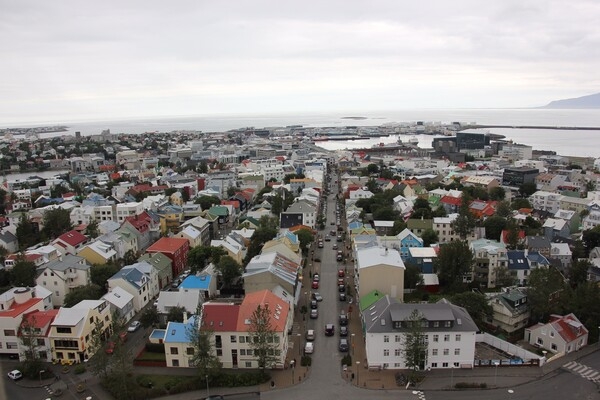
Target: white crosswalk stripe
point(583, 370)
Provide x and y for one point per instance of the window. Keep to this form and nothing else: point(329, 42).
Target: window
point(173, 350)
point(242, 352)
point(11, 332)
point(176, 363)
point(444, 365)
point(57, 293)
point(446, 338)
point(233, 339)
point(446, 352)
point(248, 364)
point(433, 365)
point(448, 324)
point(457, 337)
point(249, 352)
point(386, 352)
point(436, 338)
point(242, 339)
point(386, 339)
point(436, 324)
point(457, 352)
point(219, 352)
point(397, 338)
point(434, 352)
point(540, 341)
point(551, 333)
point(190, 351)
point(397, 352)
point(553, 347)
point(40, 342)
point(456, 365)
point(59, 329)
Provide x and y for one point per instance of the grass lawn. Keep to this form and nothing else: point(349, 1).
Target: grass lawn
point(147, 356)
point(163, 381)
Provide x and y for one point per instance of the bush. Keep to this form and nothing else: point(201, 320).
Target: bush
point(347, 360)
point(470, 385)
point(306, 361)
point(79, 369)
point(155, 348)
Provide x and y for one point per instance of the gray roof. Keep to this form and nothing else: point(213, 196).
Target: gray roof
point(381, 316)
point(538, 242)
point(7, 237)
point(65, 262)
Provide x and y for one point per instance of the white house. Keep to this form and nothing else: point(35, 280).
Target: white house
point(360, 194)
point(120, 302)
point(449, 331)
point(62, 275)
point(135, 282)
point(545, 201)
point(561, 335)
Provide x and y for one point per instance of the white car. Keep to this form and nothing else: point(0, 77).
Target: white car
point(15, 375)
point(134, 326)
point(309, 348)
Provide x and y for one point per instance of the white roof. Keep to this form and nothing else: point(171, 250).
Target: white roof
point(70, 316)
point(430, 279)
point(118, 297)
point(371, 256)
point(422, 252)
point(445, 220)
point(188, 299)
point(383, 224)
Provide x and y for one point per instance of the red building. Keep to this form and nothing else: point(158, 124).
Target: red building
point(176, 249)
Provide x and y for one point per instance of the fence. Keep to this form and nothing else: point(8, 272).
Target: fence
point(519, 356)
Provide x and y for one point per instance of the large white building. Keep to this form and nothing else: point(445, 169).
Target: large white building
point(449, 332)
point(62, 275)
point(545, 201)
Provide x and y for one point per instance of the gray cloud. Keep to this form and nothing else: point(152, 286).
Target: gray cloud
point(73, 60)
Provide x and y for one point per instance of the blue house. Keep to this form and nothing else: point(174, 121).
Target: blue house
point(407, 240)
point(205, 284)
point(179, 348)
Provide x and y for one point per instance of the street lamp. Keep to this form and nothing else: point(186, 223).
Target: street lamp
point(299, 344)
point(207, 391)
point(41, 372)
point(357, 373)
point(544, 352)
point(352, 340)
point(496, 363)
point(452, 376)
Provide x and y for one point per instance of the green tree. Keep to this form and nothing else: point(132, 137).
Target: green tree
point(429, 237)
point(92, 229)
point(27, 235)
point(527, 189)
point(465, 221)
point(546, 288)
point(56, 222)
point(101, 273)
point(277, 205)
point(476, 304)
point(100, 363)
point(414, 346)
point(517, 204)
point(385, 213)
point(591, 238)
point(412, 276)
point(229, 270)
point(268, 222)
point(305, 237)
point(578, 272)
point(494, 226)
point(203, 167)
point(497, 193)
point(532, 226)
point(207, 202)
point(29, 334)
point(175, 314)
point(87, 292)
point(200, 337)
point(453, 262)
point(372, 169)
point(149, 317)
point(399, 226)
point(503, 209)
point(503, 277)
point(23, 273)
point(263, 338)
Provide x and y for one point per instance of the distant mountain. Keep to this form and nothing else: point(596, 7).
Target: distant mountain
point(590, 101)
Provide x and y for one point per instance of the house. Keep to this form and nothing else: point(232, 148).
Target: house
point(485, 182)
point(234, 249)
point(443, 226)
point(37, 323)
point(190, 300)
point(545, 201)
point(573, 219)
point(422, 257)
point(176, 249)
point(231, 324)
point(554, 227)
point(98, 253)
point(205, 283)
point(563, 334)
point(381, 269)
point(62, 275)
point(271, 270)
point(482, 209)
point(134, 282)
point(162, 264)
point(403, 205)
point(540, 244)
point(451, 204)
point(70, 242)
point(383, 227)
point(449, 331)
point(510, 310)
point(408, 240)
point(193, 235)
point(418, 226)
point(9, 241)
point(71, 332)
point(489, 257)
point(360, 194)
point(561, 252)
point(35, 258)
point(303, 208)
point(146, 226)
point(203, 225)
point(14, 304)
point(120, 302)
point(178, 341)
point(592, 220)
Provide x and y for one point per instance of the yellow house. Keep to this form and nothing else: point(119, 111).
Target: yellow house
point(71, 331)
point(171, 218)
point(98, 253)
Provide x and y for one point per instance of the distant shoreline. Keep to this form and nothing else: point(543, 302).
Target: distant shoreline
point(355, 118)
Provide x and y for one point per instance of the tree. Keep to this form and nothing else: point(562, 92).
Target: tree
point(453, 262)
point(305, 237)
point(56, 222)
point(229, 269)
point(175, 314)
point(497, 193)
point(277, 205)
point(494, 226)
point(207, 202)
point(101, 273)
point(412, 276)
point(532, 226)
point(263, 338)
point(414, 346)
point(527, 189)
point(465, 221)
point(87, 292)
point(512, 237)
point(517, 204)
point(399, 226)
point(100, 362)
point(268, 222)
point(200, 338)
point(578, 272)
point(23, 273)
point(503, 277)
point(476, 305)
point(546, 287)
point(591, 238)
point(130, 257)
point(372, 169)
point(29, 334)
point(203, 167)
point(149, 317)
point(429, 237)
point(503, 209)
point(92, 229)
point(384, 213)
point(27, 235)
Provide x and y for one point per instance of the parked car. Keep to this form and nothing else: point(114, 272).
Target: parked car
point(329, 330)
point(134, 326)
point(310, 335)
point(309, 348)
point(214, 397)
point(335, 246)
point(316, 296)
point(343, 320)
point(341, 288)
point(341, 273)
point(343, 331)
point(320, 244)
point(343, 345)
point(316, 277)
point(314, 305)
point(340, 281)
point(327, 239)
point(123, 337)
point(339, 238)
point(314, 314)
point(342, 296)
point(15, 375)
point(315, 284)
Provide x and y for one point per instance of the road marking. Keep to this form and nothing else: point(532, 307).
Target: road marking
point(593, 375)
point(583, 370)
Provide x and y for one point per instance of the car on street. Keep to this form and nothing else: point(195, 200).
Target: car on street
point(309, 348)
point(316, 277)
point(340, 281)
point(343, 320)
point(314, 314)
point(315, 284)
point(329, 330)
point(134, 326)
point(343, 331)
point(341, 273)
point(214, 397)
point(341, 288)
point(339, 238)
point(310, 335)
point(342, 296)
point(320, 244)
point(327, 239)
point(15, 375)
point(316, 296)
point(343, 345)
point(123, 337)
point(314, 305)
point(334, 246)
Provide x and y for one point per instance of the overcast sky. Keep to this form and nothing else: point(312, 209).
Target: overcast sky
point(78, 60)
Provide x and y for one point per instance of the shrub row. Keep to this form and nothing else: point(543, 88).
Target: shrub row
point(470, 385)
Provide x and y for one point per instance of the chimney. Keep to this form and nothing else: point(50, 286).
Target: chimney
point(185, 317)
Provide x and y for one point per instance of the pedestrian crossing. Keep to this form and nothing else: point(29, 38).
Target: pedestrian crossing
point(420, 394)
point(583, 370)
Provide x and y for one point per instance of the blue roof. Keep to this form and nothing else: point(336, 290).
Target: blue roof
point(196, 282)
point(177, 332)
point(517, 260)
point(355, 225)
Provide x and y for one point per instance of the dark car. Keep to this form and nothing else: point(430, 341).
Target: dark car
point(344, 345)
point(215, 397)
point(329, 330)
point(343, 331)
point(317, 296)
point(341, 273)
point(343, 320)
point(341, 288)
point(342, 296)
point(313, 304)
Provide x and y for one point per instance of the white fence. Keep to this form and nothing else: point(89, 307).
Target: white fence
point(510, 348)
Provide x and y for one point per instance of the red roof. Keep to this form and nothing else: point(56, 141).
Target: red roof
point(220, 317)
point(168, 245)
point(278, 309)
point(28, 257)
point(505, 235)
point(140, 222)
point(72, 238)
point(40, 319)
point(234, 203)
point(568, 327)
point(455, 201)
point(18, 309)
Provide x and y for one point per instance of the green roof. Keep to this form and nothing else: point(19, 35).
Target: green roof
point(159, 261)
point(219, 211)
point(369, 299)
point(419, 223)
